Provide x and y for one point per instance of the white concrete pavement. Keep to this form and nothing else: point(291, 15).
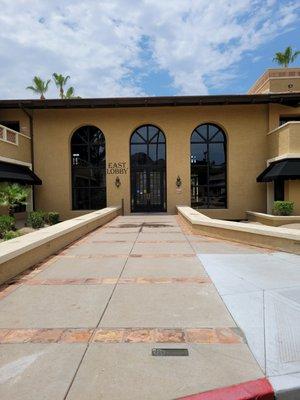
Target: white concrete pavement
point(262, 292)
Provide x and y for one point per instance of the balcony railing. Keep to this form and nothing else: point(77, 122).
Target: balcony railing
point(10, 136)
point(285, 140)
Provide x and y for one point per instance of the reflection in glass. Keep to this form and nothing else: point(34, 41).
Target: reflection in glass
point(88, 169)
point(208, 167)
point(147, 146)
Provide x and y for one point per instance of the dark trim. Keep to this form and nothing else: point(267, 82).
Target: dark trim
point(18, 173)
point(30, 117)
point(285, 169)
point(288, 99)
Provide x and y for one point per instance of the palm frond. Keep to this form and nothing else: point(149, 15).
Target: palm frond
point(70, 93)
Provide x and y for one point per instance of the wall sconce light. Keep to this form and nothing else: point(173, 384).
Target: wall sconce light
point(117, 182)
point(178, 182)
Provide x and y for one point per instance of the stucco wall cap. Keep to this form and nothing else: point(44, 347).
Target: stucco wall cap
point(275, 217)
point(15, 247)
point(284, 233)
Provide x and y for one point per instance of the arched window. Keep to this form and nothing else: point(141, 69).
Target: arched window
point(88, 169)
point(208, 167)
point(148, 169)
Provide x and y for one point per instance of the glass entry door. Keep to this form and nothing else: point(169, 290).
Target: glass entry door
point(148, 170)
point(148, 190)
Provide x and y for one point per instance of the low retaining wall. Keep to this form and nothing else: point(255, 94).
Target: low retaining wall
point(272, 220)
point(16, 255)
point(283, 239)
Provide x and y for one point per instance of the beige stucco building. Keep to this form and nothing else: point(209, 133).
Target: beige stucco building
point(156, 153)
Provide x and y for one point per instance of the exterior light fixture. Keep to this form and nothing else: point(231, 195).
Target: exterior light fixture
point(178, 182)
point(117, 182)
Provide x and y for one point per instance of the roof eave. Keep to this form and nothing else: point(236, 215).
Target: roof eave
point(289, 99)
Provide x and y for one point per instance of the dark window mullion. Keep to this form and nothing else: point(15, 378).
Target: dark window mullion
point(88, 171)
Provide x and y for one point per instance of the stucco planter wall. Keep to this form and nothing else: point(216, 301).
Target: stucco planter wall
point(16, 255)
point(283, 239)
point(272, 220)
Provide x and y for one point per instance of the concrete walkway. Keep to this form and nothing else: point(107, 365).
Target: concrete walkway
point(83, 324)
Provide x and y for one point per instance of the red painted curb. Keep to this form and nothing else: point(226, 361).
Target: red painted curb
point(260, 389)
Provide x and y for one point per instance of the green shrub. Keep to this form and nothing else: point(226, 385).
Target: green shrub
point(283, 208)
point(11, 235)
point(36, 219)
point(52, 218)
point(7, 223)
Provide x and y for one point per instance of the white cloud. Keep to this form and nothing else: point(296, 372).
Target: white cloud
point(99, 43)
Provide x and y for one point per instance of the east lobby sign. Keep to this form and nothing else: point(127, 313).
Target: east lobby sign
point(117, 168)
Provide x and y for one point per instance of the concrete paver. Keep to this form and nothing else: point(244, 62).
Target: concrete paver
point(218, 247)
point(107, 234)
point(37, 371)
point(54, 306)
point(162, 248)
point(83, 324)
point(157, 237)
point(130, 372)
point(172, 305)
point(164, 267)
point(99, 248)
point(68, 268)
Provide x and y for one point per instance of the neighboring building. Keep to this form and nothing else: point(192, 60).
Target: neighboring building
point(159, 152)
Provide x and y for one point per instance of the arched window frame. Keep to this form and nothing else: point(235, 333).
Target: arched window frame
point(145, 139)
point(207, 134)
point(88, 164)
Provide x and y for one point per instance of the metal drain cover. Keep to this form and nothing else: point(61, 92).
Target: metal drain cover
point(170, 352)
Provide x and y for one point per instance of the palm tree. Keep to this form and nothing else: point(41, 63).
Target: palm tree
point(13, 194)
point(60, 82)
point(70, 93)
point(39, 86)
point(287, 57)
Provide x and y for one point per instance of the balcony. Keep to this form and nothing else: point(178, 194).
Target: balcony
point(14, 146)
point(9, 135)
point(284, 141)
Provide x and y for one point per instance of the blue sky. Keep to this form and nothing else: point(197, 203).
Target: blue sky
point(114, 48)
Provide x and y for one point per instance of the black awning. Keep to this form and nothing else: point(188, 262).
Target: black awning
point(18, 173)
point(282, 169)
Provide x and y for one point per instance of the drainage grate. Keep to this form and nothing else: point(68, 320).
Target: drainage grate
point(170, 352)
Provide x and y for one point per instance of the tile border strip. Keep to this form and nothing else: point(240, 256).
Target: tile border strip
point(101, 281)
point(123, 335)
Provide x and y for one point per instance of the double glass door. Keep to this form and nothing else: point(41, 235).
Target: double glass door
point(148, 190)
